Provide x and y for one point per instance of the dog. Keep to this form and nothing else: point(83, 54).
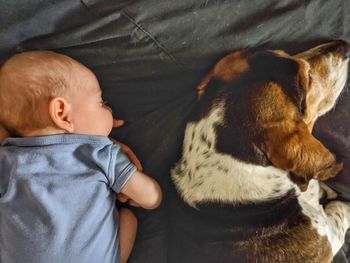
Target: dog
point(246, 188)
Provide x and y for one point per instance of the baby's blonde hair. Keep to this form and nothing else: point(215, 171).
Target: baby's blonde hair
point(27, 82)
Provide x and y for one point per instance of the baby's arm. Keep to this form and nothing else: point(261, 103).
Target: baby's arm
point(143, 190)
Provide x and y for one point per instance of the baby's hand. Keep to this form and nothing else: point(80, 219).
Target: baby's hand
point(118, 123)
point(131, 156)
point(125, 199)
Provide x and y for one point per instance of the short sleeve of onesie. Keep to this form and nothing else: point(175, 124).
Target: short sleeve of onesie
point(120, 168)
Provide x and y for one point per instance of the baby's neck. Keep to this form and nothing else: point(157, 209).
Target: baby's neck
point(41, 132)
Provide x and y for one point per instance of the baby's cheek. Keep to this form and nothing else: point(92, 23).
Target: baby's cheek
point(110, 122)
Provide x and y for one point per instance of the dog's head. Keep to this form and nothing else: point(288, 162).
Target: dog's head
point(272, 102)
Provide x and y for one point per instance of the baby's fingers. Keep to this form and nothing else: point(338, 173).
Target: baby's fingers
point(117, 123)
point(122, 198)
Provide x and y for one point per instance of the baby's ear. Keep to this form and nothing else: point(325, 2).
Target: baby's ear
point(292, 147)
point(61, 114)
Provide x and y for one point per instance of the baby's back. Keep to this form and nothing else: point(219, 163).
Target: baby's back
point(56, 204)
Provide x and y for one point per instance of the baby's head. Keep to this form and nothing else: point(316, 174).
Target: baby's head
point(43, 93)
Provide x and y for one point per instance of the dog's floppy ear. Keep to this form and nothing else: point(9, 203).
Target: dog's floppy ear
point(204, 83)
point(229, 68)
point(206, 98)
point(291, 147)
point(289, 143)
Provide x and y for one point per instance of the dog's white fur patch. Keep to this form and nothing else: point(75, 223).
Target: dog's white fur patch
point(203, 174)
point(333, 221)
point(325, 99)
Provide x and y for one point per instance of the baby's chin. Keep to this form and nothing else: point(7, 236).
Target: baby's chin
point(108, 131)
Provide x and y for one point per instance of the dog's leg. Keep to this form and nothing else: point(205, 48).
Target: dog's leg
point(338, 221)
point(312, 194)
point(326, 191)
point(333, 221)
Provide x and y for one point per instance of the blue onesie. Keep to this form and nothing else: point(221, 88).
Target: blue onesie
point(57, 201)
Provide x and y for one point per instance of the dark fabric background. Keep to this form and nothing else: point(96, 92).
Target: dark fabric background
point(149, 56)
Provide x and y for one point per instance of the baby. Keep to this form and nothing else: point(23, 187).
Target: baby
point(59, 171)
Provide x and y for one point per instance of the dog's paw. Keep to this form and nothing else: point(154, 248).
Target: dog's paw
point(327, 192)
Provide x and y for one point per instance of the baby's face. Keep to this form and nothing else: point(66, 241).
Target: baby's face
point(90, 115)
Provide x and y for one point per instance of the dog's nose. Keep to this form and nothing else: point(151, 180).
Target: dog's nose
point(339, 46)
